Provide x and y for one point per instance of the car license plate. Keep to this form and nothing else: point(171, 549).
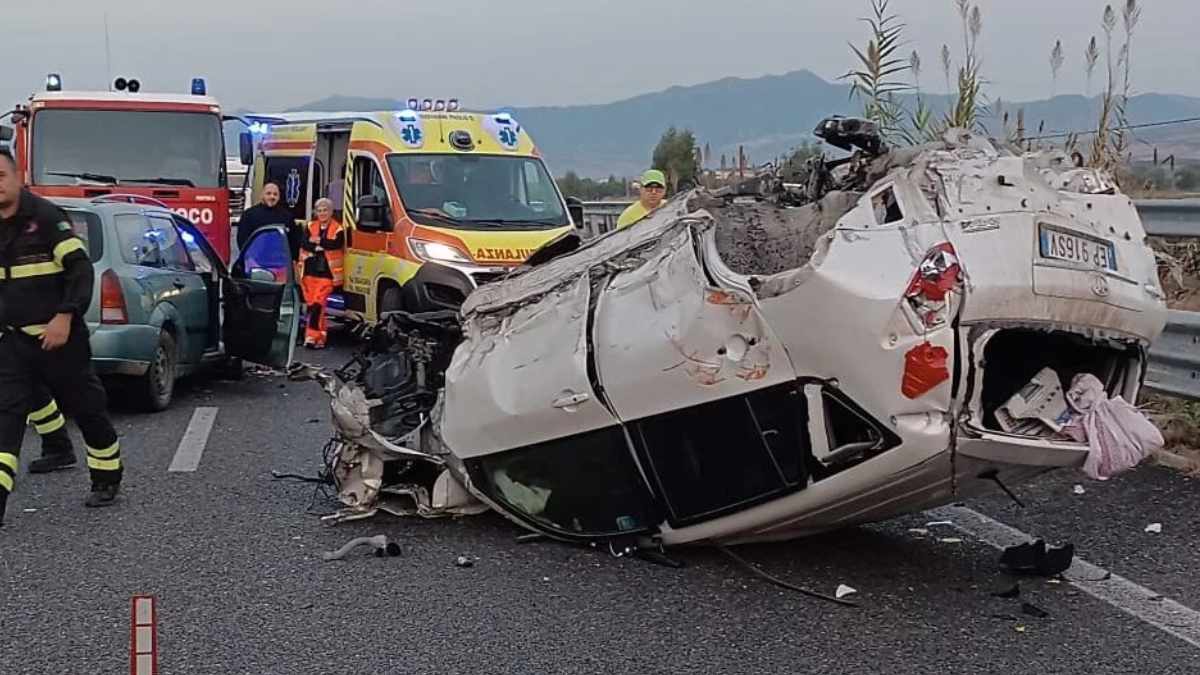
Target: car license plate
point(1072, 247)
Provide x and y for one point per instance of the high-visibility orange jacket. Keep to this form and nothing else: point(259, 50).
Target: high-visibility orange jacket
point(332, 241)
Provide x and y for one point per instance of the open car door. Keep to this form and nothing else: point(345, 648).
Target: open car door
point(262, 301)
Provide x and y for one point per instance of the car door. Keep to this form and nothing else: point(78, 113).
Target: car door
point(262, 301)
point(187, 291)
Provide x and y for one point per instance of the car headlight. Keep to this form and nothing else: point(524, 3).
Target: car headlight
point(434, 250)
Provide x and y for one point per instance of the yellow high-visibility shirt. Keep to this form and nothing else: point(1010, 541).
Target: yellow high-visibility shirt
point(632, 214)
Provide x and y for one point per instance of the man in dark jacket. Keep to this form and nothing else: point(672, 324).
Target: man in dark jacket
point(267, 212)
point(46, 286)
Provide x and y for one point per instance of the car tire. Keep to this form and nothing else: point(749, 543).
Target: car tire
point(391, 300)
point(157, 386)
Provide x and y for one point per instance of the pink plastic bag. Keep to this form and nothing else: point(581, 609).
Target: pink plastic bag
point(1118, 435)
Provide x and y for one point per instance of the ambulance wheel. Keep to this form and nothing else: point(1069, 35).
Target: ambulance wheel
point(157, 386)
point(391, 300)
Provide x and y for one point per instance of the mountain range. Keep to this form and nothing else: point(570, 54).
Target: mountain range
point(769, 115)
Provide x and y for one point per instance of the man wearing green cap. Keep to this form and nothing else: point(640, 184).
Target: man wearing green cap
point(653, 188)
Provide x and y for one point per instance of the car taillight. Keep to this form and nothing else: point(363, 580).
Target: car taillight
point(938, 275)
point(112, 299)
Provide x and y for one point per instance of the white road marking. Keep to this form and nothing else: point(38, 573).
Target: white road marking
point(1135, 600)
point(191, 446)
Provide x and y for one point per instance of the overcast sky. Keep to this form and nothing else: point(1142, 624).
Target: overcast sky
point(269, 55)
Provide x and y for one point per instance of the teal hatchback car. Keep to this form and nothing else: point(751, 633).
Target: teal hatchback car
point(166, 306)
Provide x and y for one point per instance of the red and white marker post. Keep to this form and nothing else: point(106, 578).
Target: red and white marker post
point(143, 636)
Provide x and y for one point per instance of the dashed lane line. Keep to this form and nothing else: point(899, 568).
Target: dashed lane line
point(191, 446)
point(1134, 599)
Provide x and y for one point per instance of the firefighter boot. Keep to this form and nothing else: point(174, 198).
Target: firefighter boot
point(3, 505)
point(103, 494)
point(57, 453)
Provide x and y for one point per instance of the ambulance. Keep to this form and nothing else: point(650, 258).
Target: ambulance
point(435, 201)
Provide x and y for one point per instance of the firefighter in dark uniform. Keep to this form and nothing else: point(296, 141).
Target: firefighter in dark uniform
point(46, 281)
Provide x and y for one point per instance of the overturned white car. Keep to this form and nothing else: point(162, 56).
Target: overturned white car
point(870, 340)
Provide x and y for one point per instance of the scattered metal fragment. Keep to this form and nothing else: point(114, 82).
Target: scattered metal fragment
point(1154, 528)
point(843, 590)
point(1033, 558)
point(1078, 489)
point(379, 542)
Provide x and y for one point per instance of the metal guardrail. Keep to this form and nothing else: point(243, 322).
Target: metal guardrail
point(1175, 358)
point(1170, 217)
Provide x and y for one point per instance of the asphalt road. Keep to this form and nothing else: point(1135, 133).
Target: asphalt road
point(233, 558)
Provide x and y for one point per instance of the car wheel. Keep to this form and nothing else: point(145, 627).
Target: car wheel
point(391, 300)
point(158, 384)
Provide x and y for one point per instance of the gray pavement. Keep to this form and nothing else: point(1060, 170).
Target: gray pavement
point(233, 558)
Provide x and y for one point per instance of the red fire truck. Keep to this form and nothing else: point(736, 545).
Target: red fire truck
point(168, 147)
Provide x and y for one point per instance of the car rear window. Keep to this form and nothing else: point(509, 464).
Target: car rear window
point(87, 228)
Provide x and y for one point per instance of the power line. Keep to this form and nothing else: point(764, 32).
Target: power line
point(1131, 127)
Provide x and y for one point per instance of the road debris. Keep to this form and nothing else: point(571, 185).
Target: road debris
point(919, 531)
point(950, 540)
point(843, 590)
point(1020, 629)
point(463, 561)
point(1034, 611)
point(1078, 489)
point(379, 542)
point(1033, 558)
point(1154, 528)
point(939, 523)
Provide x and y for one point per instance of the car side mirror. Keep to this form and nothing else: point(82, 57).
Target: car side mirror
point(575, 208)
point(246, 148)
point(372, 214)
point(6, 133)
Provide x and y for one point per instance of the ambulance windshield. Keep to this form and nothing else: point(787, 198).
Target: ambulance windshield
point(127, 147)
point(478, 191)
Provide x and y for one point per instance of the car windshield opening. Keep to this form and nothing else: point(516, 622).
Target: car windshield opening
point(114, 147)
point(478, 191)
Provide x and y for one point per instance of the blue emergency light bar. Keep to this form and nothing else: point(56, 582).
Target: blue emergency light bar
point(198, 86)
point(53, 82)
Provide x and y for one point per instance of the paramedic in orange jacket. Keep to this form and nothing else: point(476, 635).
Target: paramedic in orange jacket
point(321, 262)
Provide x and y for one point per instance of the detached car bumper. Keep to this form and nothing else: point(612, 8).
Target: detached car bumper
point(122, 349)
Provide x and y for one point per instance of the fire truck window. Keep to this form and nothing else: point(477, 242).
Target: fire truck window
point(138, 148)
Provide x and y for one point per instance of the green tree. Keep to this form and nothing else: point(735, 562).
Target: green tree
point(677, 155)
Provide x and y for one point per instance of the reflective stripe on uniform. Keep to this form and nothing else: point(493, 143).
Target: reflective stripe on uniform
point(52, 426)
point(10, 460)
point(35, 331)
point(104, 464)
point(6, 481)
point(36, 270)
point(111, 451)
point(45, 413)
point(65, 247)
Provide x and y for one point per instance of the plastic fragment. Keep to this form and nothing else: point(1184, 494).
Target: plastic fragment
point(1034, 558)
point(463, 561)
point(950, 540)
point(919, 531)
point(1078, 489)
point(843, 590)
point(938, 523)
point(1020, 629)
point(1154, 528)
point(379, 542)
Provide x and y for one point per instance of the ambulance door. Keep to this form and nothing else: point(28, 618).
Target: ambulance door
point(288, 152)
point(369, 218)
